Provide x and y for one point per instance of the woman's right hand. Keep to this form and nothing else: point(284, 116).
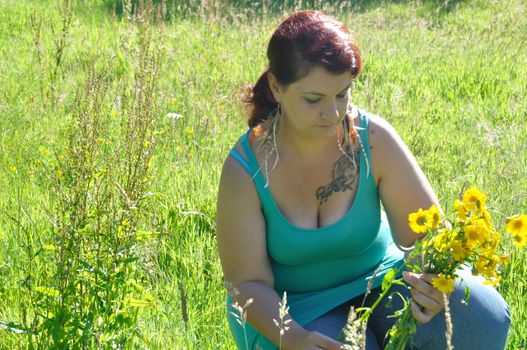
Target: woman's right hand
point(318, 341)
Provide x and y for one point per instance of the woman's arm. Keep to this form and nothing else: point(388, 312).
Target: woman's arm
point(403, 187)
point(243, 253)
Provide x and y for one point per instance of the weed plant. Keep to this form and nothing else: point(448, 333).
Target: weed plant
point(98, 206)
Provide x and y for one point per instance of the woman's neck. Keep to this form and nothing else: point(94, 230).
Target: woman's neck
point(305, 149)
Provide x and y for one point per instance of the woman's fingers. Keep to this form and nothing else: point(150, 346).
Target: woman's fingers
point(430, 305)
point(428, 301)
point(422, 283)
point(419, 282)
point(420, 314)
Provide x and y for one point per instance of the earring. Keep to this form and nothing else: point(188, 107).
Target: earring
point(275, 126)
point(275, 113)
point(268, 145)
point(349, 129)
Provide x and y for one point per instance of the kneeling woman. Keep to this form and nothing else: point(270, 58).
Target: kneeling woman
point(299, 207)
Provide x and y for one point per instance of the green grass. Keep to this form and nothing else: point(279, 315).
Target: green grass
point(451, 79)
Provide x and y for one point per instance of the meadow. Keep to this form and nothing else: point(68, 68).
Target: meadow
point(115, 121)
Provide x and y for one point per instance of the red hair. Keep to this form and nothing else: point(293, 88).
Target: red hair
point(304, 40)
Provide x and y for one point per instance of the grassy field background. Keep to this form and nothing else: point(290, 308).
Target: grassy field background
point(450, 76)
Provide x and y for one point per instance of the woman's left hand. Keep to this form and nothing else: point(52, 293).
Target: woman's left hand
point(427, 301)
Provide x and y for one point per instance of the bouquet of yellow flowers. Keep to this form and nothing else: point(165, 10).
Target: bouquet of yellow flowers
point(469, 239)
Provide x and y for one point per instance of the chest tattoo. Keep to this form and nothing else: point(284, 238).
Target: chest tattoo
point(343, 175)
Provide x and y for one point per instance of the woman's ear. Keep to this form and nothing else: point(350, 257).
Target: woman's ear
point(274, 85)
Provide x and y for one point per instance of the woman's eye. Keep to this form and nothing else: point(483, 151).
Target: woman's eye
point(308, 100)
point(342, 95)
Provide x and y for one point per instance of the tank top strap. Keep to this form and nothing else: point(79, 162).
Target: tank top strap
point(244, 141)
point(234, 153)
point(255, 170)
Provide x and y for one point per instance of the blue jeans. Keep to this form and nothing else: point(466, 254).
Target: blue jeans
point(482, 324)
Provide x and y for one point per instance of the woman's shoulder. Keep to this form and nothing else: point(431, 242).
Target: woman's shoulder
point(384, 142)
point(236, 173)
point(235, 165)
point(375, 122)
point(381, 133)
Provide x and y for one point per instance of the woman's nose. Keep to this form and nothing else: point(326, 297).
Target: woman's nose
point(331, 111)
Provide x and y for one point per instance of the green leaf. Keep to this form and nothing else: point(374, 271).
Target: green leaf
point(361, 309)
point(414, 267)
point(467, 296)
point(387, 281)
point(50, 292)
point(147, 302)
point(140, 303)
point(145, 235)
point(399, 282)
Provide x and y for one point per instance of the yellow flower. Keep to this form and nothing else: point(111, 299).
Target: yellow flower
point(487, 265)
point(520, 241)
point(504, 260)
point(434, 217)
point(517, 225)
point(494, 281)
point(418, 221)
point(440, 242)
point(486, 217)
point(443, 284)
point(476, 232)
point(474, 199)
point(492, 244)
point(461, 210)
point(480, 264)
point(458, 252)
point(472, 235)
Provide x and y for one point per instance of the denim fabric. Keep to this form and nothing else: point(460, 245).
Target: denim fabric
point(482, 324)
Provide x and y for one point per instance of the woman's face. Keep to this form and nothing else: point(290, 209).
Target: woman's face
point(315, 105)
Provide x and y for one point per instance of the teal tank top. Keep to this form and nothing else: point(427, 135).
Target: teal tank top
point(324, 267)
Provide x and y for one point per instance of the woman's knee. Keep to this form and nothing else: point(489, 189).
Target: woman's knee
point(483, 322)
point(484, 303)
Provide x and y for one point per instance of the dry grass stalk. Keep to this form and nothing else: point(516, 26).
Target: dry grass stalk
point(240, 312)
point(448, 321)
point(354, 332)
point(283, 312)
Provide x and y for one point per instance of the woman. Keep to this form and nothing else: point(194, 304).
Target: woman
point(299, 207)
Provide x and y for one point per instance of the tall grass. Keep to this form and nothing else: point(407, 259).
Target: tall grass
point(450, 76)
